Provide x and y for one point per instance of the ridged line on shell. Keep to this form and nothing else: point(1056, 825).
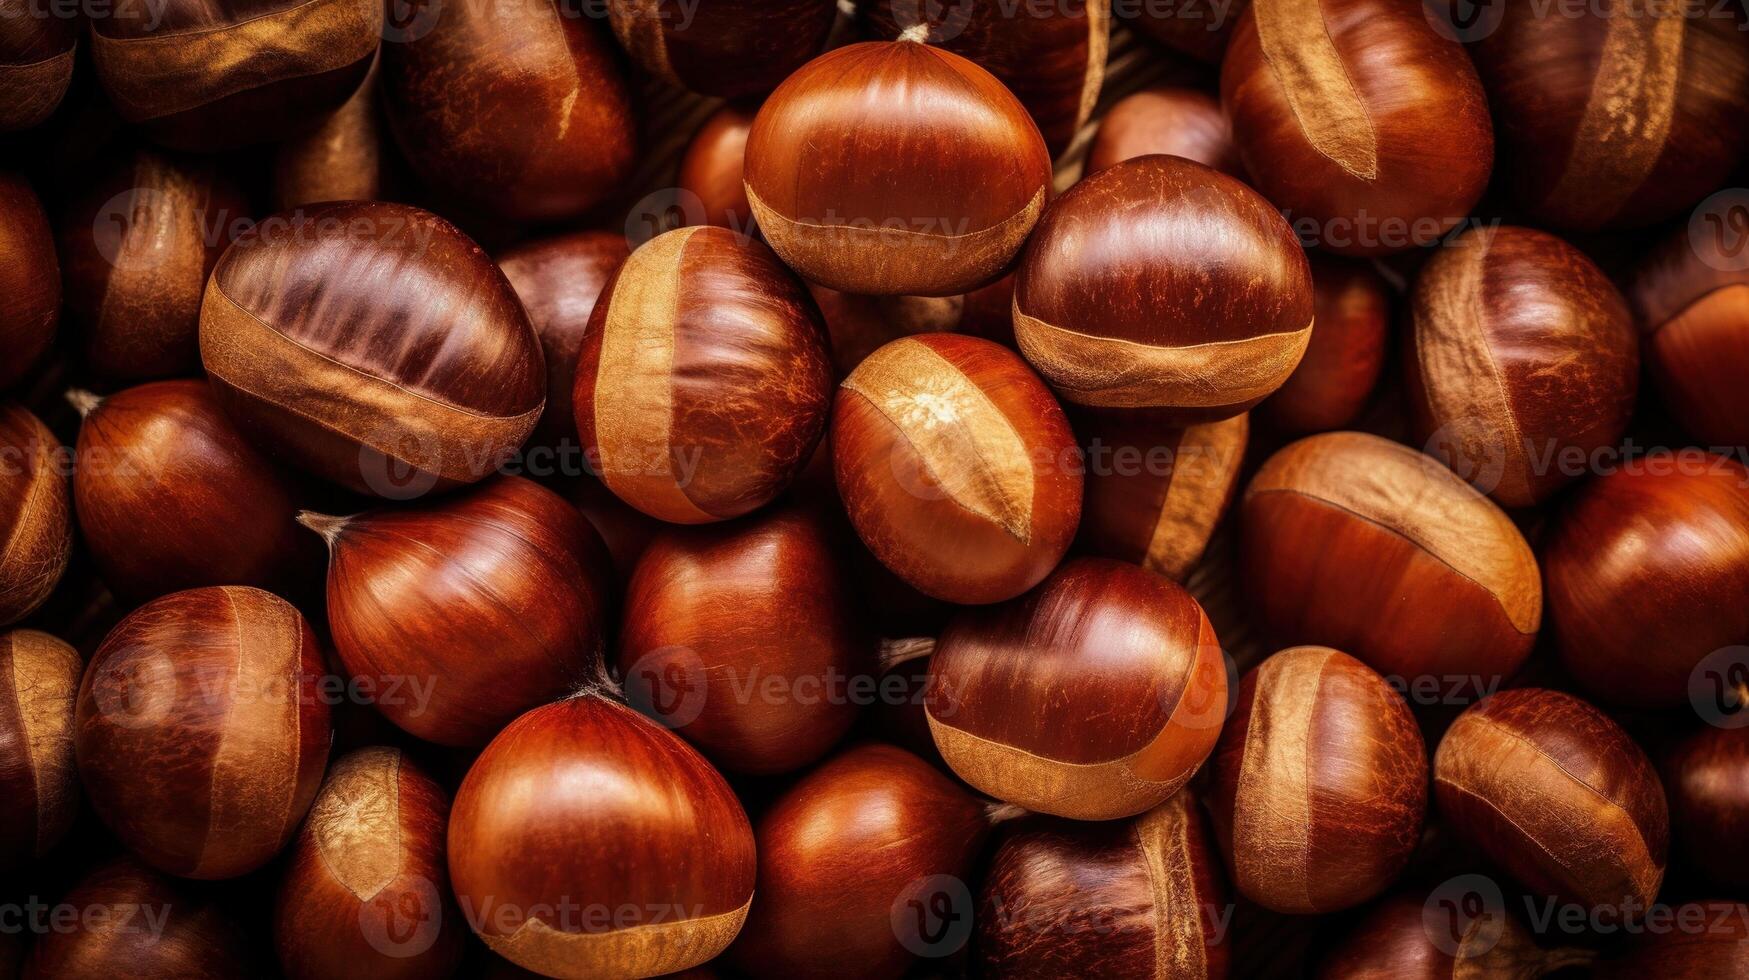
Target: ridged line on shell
point(1272, 808)
point(356, 822)
point(1308, 69)
point(646, 950)
point(1163, 836)
point(1189, 512)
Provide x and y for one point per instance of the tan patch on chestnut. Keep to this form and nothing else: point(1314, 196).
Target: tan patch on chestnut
point(45, 683)
point(1313, 79)
point(1272, 814)
point(1163, 835)
point(356, 822)
point(38, 544)
point(1202, 482)
point(640, 951)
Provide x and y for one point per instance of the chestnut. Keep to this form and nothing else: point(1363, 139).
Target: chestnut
point(725, 48)
point(137, 246)
point(558, 279)
point(1706, 780)
point(956, 466)
point(823, 908)
point(366, 886)
point(36, 513)
point(1352, 541)
point(214, 74)
point(1614, 115)
point(1171, 119)
point(625, 531)
point(1346, 355)
point(201, 733)
point(742, 638)
point(346, 158)
point(39, 683)
point(1691, 301)
point(1358, 117)
point(1200, 30)
point(894, 167)
point(1556, 795)
point(713, 169)
point(1646, 567)
point(1414, 937)
point(1155, 493)
point(1694, 941)
point(193, 937)
point(468, 610)
point(859, 325)
point(704, 379)
point(30, 280)
point(36, 62)
point(1160, 283)
point(1140, 898)
point(1094, 696)
point(372, 344)
point(1320, 783)
point(1521, 357)
point(589, 842)
point(1051, 56)
point(513, 108)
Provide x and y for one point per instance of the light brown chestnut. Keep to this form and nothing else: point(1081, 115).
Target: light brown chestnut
point(1346, 356)
point(1171, 119)
point(726, 48)
point(39, 685)
point(36, 513)
point(1691, 301)
point(195, 937)
point(30, 280)
point(713, 169)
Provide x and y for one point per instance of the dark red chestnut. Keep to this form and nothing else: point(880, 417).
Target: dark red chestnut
point(1346, 356)
point(469, 610)
point(956, 466)
point(135, 922)
point(587, 841)
point(39, 684)
point(1706, 778)
point(1691, 300)
point(1646, 569)
point(704, 380)
point(1616, 115)
point(1200, 30)
point(36, 61)
point(201, 732)
point(1416, 936)
point(366, 886)
point(1094, 696)
point(1556, 795)
point(1170, 119)
point(558, 280)
point(1140, 898)
point(514, 108)
point(1359, 543)
point(373, 344)
point(36, 513)
point(1159, 283)
point(1359, 118)
point(30, 280)
point(713, 169)
point(894, 167)
point(1320, 783)
point(742, 638)
point(346, 158)
point(1521, 359)
point(212, 74)
point(1690, 941)
point(847, 857)
point(726, 48)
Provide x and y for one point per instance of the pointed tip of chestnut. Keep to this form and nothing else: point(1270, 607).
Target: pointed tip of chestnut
point(84, 402)
point(917, 33)
point(1000, 813)
point(327, 525)
point(902, 651)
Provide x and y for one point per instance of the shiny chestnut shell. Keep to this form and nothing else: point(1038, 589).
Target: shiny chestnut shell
point(39, 686)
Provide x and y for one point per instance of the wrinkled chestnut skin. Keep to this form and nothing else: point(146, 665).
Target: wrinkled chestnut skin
point(1351, 327)
point(1171, 119)
point(713, 170)
point(1692, 306)
point(726, 48)
point(199, 940)
point(36, 63)
point(36, 513)
point(30, 280)
point(1706, 778)
point(39, 684)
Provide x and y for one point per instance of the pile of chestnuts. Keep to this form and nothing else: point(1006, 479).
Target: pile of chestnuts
point(1157, 489)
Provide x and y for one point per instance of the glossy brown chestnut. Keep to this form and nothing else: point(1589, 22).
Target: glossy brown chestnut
point(558, 280)
point(366, 886)
point(826, 905)
point(1160, 283)
point(1141, 898)
point(1200, 30)
point(894, 167)
point(1691, 300)
point(1706, 778)
point(956, 466)
point(1094, 696)
point(1616, 114)
point(1521, 359)
point(39, 683)
point(1359, 119)
point(30, 280)
point(1646, 567)
point(36, 62)
point(201, 732)
point(372, 344)
point(1170, 119)
point(589, 842)
point(704, 380)
point(1320, 783)
point(193, 938)
point(1411, 936)
point(36, 513)
point(1155, 493)
point(467, 611)
point(743, 639)
point(726, 48)
point(346, 158)
point(547, 132)
point(1694, 941)
point(170, 496)
point(1346, 356)
point(1356, 542)
point(137, 246)
point(713, 169)
point(212, 74)
point(1051, 56)
point(1556, 795)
